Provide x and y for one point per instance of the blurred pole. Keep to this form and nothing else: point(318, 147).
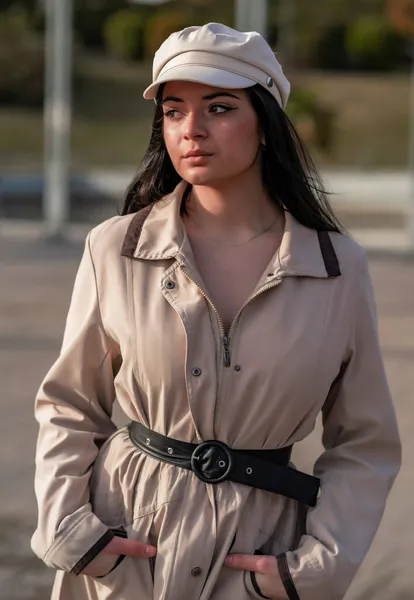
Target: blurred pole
point(251, 16)
point(57, 114)
point(410, 216)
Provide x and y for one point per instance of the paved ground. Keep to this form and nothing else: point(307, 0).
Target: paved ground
point(35, 283)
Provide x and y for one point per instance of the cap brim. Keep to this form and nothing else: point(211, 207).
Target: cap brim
point(200, 74)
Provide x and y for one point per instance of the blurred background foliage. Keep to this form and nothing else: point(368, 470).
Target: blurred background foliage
point(341, 55)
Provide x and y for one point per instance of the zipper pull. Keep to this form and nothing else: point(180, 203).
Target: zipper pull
point(226, 353)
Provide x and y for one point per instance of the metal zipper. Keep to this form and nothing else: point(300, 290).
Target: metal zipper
point(226, 337)
point(226, 351)
point(225, 340)
point(264, 288)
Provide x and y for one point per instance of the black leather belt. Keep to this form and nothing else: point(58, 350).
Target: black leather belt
point(214, 462)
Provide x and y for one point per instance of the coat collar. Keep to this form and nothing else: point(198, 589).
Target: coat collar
point(157, 233)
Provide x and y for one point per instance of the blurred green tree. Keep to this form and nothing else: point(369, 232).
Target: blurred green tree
point(29, 5)
point(89, 19)
point(21, 47)
point(314, 31)
point(331, 51)
point(314, 121)
point(124, 34)
point(373, 44)
point(161, 25)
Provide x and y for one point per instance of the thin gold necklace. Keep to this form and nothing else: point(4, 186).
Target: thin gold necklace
point(240, 244)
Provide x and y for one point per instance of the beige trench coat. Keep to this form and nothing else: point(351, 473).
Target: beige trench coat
point(140, 330)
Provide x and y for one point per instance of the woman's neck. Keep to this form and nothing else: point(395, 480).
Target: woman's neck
point(234, 210)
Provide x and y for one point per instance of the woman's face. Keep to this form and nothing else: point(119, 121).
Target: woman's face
point(211, 134)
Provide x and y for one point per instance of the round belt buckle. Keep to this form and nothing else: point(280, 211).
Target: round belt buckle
point(213, 455)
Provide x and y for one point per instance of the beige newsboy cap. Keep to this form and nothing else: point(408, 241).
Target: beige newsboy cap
point(217, 55)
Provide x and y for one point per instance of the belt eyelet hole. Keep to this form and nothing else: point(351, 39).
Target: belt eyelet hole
point(249, 470)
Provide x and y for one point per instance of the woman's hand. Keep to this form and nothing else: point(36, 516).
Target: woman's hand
point(119, 545)
point(267, 573)
point(113, 554)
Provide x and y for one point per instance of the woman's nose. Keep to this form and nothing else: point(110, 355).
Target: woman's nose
point(194, 126)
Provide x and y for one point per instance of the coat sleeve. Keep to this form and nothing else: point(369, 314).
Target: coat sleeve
point(357, 468)
point(73, 409)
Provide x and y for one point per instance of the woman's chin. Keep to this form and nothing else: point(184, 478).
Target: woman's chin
point(201, 177)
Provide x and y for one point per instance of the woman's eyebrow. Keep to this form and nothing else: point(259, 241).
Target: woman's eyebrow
point(208, 97)
point(217, 94)
point(172, 99)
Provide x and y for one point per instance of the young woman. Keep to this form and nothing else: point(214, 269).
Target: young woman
point(224, 311)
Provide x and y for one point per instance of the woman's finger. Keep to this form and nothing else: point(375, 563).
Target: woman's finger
point(267, 565)
point(127, 547)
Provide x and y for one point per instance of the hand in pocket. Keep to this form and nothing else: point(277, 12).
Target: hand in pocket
point(265, 570)
point(126, 547)
point(113, 554)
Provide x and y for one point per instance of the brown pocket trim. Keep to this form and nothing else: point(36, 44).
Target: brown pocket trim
point(256, 585)
point(92, 552)
point(253, 579)
point(286, 577)
point(118, 562)
point(120, 533)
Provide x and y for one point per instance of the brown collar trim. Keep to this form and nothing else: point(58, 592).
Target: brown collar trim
point(328, 254)
point(134, 231)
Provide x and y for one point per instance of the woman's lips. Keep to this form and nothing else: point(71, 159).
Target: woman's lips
point(196, 154)
point(198, 158)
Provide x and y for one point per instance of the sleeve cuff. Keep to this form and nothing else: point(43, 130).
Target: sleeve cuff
point(77, 544)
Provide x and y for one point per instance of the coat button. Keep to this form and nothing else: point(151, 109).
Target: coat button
point(170, 285)
point(196, 572)
point(237, 368)
point(196, 372)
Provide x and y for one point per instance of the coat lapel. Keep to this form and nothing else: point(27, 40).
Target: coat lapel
point(157, 232)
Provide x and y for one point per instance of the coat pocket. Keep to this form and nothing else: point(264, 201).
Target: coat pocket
point(129, 577)
point(249, 540)
point(252, 580)
point(109, 498)
point(104, 564)
point(105, 567)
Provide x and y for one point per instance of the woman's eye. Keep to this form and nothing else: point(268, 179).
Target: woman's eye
point(172, 113)
point(220, 108)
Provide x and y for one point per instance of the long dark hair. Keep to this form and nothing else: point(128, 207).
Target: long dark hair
point(289, 175)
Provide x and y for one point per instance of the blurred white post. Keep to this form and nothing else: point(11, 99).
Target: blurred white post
point(57, 114)
point(251, 16)
point(410, 216)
